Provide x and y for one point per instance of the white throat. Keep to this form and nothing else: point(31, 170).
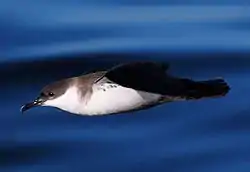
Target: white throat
point(70, 101)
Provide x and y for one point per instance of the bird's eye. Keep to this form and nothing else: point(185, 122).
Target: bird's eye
point(51, 94)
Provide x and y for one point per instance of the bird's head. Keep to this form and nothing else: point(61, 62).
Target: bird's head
point(50, 95)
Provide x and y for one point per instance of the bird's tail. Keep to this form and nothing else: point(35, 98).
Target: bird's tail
point(206, 89)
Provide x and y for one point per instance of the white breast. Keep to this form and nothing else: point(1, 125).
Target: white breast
point(70, 101)
point(106, 99)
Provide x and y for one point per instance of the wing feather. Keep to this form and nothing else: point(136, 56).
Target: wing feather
point(143, 76)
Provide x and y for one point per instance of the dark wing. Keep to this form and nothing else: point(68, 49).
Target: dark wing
point(143, 76)
point(152, 77)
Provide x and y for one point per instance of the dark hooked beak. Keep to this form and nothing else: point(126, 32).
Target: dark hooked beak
point(30, 105)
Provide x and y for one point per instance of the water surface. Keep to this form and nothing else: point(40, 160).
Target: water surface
point(43, 41)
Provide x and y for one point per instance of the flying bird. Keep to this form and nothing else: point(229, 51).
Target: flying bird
point(127, 87)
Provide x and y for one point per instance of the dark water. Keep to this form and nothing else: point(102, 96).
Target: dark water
point(42, 41)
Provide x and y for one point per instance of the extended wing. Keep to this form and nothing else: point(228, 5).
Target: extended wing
point(143, 76)
point(152, 77)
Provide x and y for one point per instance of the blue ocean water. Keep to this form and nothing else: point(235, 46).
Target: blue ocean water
point(42, 41)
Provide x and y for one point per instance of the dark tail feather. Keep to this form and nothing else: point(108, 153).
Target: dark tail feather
point(209, 88)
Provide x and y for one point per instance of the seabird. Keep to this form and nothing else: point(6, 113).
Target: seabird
point(122, 88)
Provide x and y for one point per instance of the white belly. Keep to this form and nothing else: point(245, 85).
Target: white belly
point(106, 100)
